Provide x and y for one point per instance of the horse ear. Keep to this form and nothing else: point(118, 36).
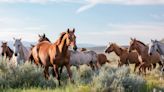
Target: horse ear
point(68, 30)
point(73, 30)
point(39, 35)
point(14, 38)
point(44, 35)
point(152, 41)
point(131, 38)
point(20, 39)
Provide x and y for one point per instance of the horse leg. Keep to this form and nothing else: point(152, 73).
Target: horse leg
point(61, 69)
point(160, 63)
point(136, 65)
point(69, 72)
point(77, 67)
point(154, 66)
point(92, 66)
point(46, 74)
point(56, 72)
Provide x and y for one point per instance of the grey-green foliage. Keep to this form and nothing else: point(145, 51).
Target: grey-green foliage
point(107, 78)
point(23, 76)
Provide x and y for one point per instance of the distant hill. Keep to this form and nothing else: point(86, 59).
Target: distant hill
point(101, 49)
point(162, 40)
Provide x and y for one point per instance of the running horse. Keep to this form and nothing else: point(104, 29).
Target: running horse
point(6, 51)
point(125, 56)
point(147, 59)
point(55, 55)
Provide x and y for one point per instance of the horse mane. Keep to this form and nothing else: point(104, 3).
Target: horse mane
point(60, 38)
point(142, 43)
point(10, 50)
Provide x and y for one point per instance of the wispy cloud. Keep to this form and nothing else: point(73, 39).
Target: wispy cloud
point(158, 16)
point(92, 3)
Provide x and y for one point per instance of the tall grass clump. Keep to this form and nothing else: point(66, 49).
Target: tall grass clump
point(23, 76)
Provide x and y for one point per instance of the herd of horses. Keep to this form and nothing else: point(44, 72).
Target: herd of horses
point(58, 54)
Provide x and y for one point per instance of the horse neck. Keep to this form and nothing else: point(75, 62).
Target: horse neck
point(118, 51)
point(159, 45)
point(23, 52)
point(9, 52)
point(63, 48)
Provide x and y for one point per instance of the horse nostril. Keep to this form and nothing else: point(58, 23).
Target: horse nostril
point(15, 54)
point(150, 53)
point(75, 48)
point(2, 54)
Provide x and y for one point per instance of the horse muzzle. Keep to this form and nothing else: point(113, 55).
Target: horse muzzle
point(75, 48)
point(16, 54)
point(2, 54)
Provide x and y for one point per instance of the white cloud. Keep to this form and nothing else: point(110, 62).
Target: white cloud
point(92, 3)
point(121, 33)
point(24, 28)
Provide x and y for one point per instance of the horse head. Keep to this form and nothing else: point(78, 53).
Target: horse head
point(4, 48)
point(17, 46)
point(43, 38)
point(69, 38)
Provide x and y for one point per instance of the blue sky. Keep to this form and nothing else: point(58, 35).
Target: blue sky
point(96, 21)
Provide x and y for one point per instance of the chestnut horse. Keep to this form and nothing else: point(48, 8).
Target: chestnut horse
point(125, 56)
point(55, 55)
point(41, 39)
point(102, 59)
point(6, 51)
point(142, 49)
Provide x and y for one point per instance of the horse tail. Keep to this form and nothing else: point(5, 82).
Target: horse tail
point(31, 58)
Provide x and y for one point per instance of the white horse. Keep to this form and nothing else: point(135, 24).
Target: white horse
point(78, 58)
point(20, 51)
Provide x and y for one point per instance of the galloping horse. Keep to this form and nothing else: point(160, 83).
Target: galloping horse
point(6, 51)
point(125, 56)
point(55, 55)
point(142, 49)
point(21, 52)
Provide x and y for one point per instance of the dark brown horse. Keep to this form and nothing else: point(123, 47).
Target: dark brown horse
point(6, 51)
point(125, 56)
point(102, 59)
point(55, 55)
point(147, 59)
point(43, 38)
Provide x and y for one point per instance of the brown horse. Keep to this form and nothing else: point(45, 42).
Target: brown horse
point(55, 55)
point(102, 59)
point(142, 49)
point(43, 38)
point(125, 56)
point(6, 50)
